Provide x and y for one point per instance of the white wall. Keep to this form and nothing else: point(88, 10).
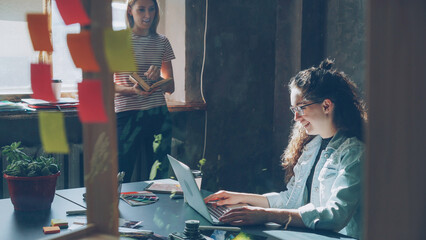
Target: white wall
point(172, 24)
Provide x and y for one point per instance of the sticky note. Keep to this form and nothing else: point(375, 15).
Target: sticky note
point(72, 11)
point(48, 230)
point(39, 32)
point(81, 51)
point(52, 132)
point(59, 222)
point(118, 50)
point(91, 107)
point(41, 82)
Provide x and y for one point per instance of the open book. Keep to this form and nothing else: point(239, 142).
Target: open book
point(135, 78)
point(161, 187)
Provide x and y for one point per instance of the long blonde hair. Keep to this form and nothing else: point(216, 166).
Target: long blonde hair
point(131, 22)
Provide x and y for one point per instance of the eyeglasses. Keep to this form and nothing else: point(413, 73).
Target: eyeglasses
point(299, 109)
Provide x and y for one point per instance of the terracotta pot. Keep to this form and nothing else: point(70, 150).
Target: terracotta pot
point(32, 193)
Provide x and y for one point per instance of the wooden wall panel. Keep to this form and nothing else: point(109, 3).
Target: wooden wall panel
point(395, 192)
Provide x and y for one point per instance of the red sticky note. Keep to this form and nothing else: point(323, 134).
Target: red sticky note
point(91, 107)
point(39, 31)
point(41, 82)
point(81, 51)
point(72, 11)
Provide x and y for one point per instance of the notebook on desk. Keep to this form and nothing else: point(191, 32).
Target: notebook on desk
point(61, 103)
point(193, 196)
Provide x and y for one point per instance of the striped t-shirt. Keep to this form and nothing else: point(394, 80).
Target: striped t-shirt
point(148, 50)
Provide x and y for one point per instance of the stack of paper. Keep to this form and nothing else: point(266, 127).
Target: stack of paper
point(10, 106)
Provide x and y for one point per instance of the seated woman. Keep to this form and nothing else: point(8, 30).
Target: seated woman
point(322, 160)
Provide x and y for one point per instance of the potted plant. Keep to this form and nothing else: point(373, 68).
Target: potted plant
point(31, 181)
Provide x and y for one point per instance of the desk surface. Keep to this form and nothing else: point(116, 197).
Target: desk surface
point(163, 217)
point(169, 215)
point(29, 225)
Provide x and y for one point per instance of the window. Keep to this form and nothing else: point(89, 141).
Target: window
point(17, 54)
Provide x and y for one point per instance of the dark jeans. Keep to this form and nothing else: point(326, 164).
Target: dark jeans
point(135, 132)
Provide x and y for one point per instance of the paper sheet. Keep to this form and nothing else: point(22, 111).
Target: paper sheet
point(41, 82)
point(52, 132)
point(81, 51)
point(39, 31)
point(118, 50)
point(91, 108)
point(72, 11)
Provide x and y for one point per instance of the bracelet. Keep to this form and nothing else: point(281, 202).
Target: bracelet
point(288, 222)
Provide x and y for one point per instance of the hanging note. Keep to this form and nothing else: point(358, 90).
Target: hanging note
point(118, 51)
point(72, 11)
point(52, 132)
point(41, 82)
point(81, 51)
point(39, 32)
point(91, 108)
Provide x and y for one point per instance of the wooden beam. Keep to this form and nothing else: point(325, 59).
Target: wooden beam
point(395, 191)
point(100, 141)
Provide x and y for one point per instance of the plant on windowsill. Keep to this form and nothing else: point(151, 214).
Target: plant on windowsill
point(31, 181)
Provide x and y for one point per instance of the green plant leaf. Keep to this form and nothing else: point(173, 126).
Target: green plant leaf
point(20, 164)
point(157, 142)
point(154, 169)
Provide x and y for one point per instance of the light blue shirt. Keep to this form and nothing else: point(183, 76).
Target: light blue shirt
point(336, 186)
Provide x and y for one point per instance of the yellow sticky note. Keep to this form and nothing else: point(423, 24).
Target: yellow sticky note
point(118, 50)
point(52, 132)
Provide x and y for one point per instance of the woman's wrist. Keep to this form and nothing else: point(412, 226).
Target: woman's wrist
point(123, 90)
point(255, 200)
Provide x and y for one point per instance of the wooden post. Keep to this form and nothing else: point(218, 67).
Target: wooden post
point(395, 192)
point(100, 141)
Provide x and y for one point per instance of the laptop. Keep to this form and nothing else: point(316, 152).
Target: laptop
point(193, 196)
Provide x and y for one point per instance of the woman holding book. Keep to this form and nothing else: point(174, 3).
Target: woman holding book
point(322, 160)
point(142, 114)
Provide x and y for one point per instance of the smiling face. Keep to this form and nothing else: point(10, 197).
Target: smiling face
point(143, 13)
point(317, 118)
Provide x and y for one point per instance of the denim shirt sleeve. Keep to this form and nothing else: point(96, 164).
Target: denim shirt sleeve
point(280, 200)
point(344, 197)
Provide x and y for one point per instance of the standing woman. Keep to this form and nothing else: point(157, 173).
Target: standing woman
point(141, 114)
point(322, 160)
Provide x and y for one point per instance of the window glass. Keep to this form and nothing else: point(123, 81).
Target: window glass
point(62, 63)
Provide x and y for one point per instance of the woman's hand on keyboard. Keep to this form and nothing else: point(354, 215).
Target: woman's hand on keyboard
point(246, 215)
point(224, 198)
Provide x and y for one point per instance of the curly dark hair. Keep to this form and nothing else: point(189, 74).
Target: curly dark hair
point(317, 84)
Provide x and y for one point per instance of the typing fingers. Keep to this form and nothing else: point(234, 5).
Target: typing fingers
point(215, 197)
point(237, 217)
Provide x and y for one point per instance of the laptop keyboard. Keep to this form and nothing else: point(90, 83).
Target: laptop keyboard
point(217, 211)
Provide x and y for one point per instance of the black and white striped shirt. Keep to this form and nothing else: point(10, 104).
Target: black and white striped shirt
point(153, 49)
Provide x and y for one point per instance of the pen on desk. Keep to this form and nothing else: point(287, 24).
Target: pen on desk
point(76, 212)
point(223, 228)
point(149, 185)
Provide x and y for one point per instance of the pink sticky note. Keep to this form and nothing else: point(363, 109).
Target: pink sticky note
point(41, 82)
point(39, 31)
point(91, 108)
point(72, 11)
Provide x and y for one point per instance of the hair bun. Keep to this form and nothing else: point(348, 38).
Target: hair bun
point(326, 64)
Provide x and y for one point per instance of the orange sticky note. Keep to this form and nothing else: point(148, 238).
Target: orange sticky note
point(52, 132)
point(72, 11)
point(81, 51)
point(91, 107)
point(39, 31)
point(118, 50)
point(41, 82)
point(48, 230)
